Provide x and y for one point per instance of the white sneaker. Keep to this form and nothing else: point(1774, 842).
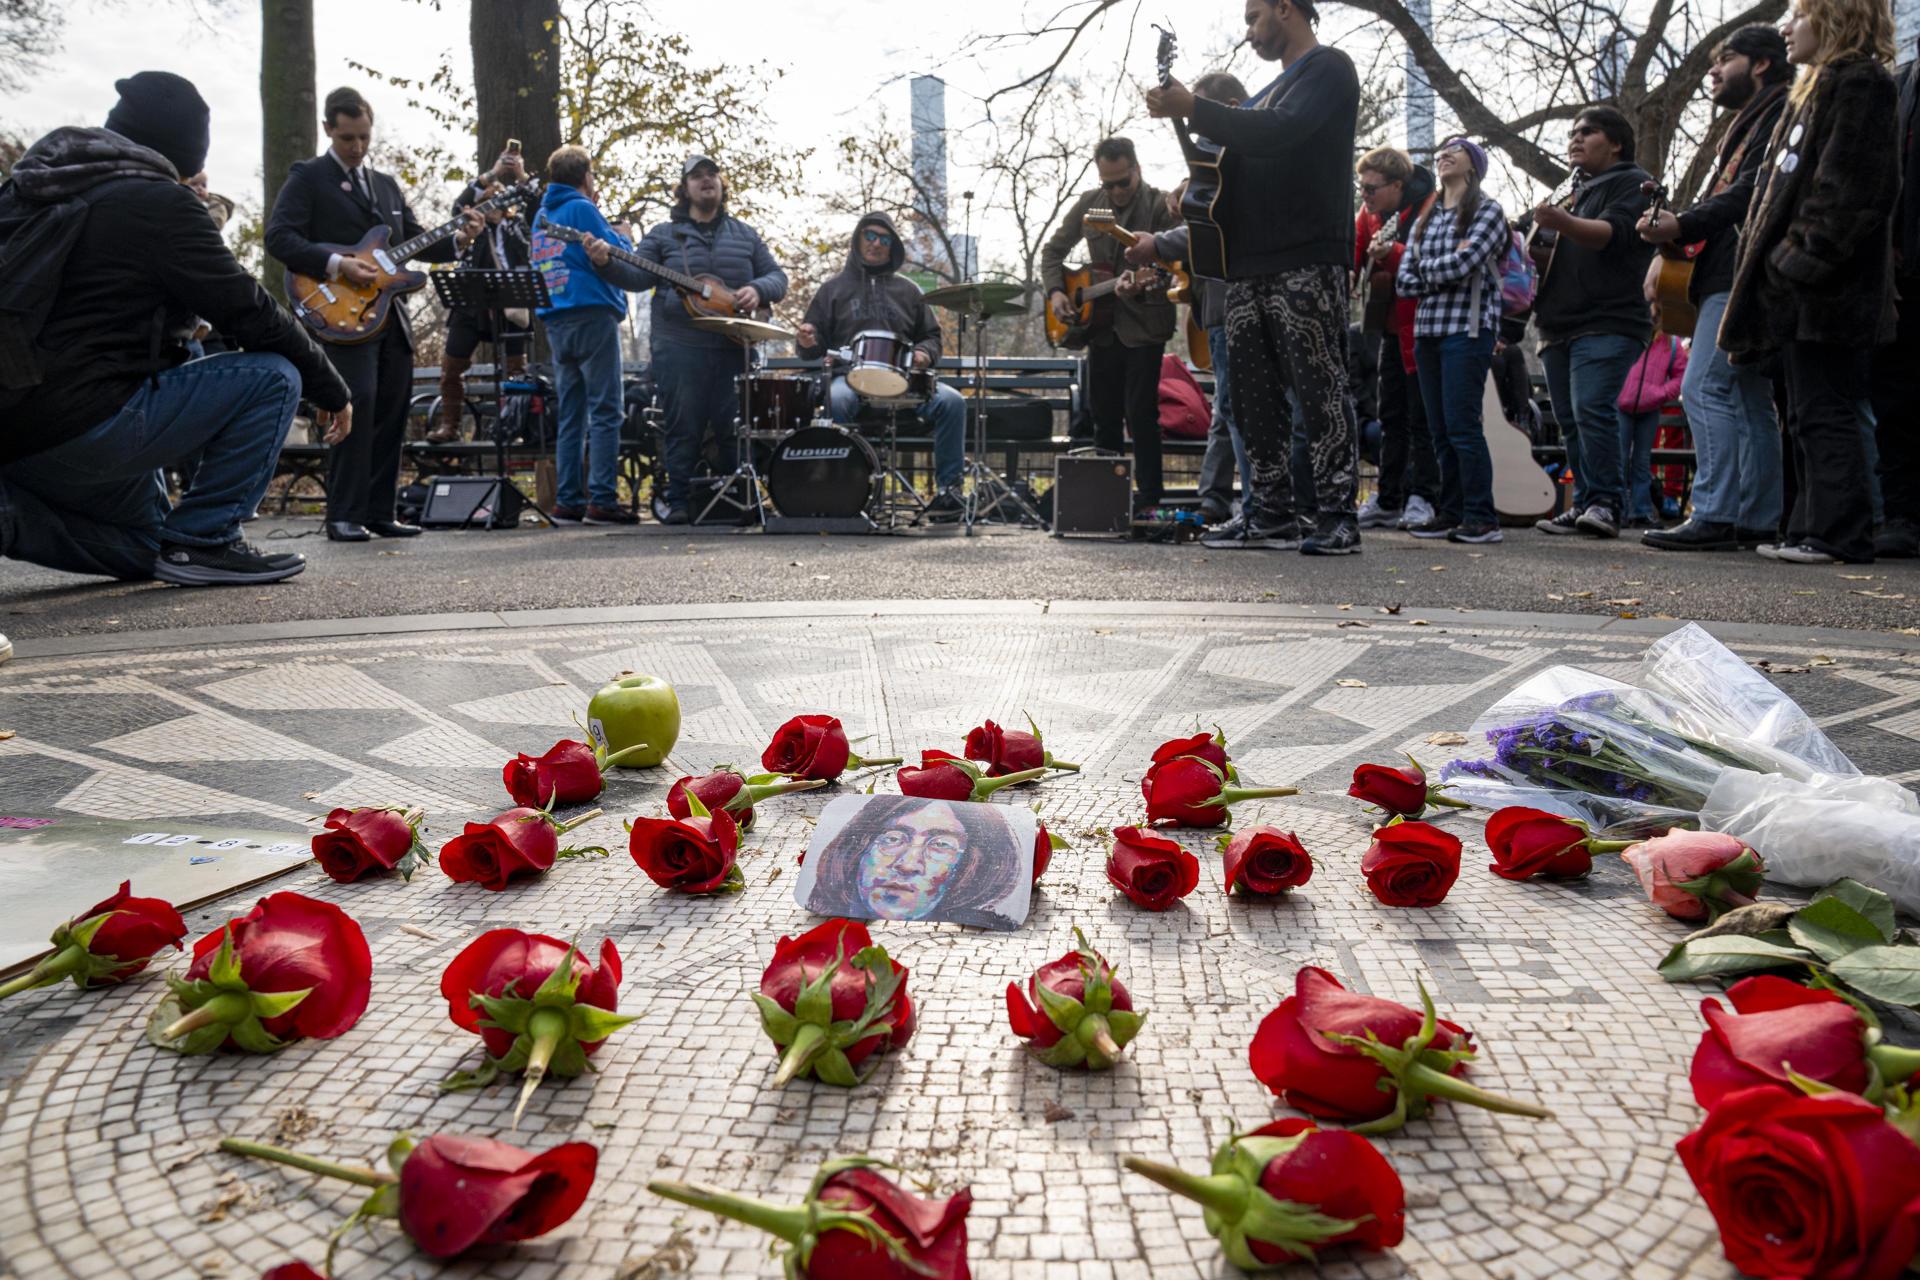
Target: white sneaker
point(1418, 511)
point(6, 648)
point(1374, 516)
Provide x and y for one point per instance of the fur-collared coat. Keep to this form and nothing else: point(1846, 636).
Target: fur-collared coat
point(1816, 255)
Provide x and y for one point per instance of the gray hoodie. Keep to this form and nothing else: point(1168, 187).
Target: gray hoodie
point(863, 297)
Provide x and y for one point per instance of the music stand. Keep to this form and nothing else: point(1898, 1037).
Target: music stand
point(493, 291)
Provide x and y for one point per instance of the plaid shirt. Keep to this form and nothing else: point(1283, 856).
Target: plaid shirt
point(1456, 277)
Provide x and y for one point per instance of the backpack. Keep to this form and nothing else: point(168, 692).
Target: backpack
point(35, 242)
point(1519, 281)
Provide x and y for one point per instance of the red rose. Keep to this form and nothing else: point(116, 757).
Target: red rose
point(293, 966)
point(109, 942)
point(1007, 751)
point(943, 776)
point(1265, 860)
point(569, 773)
point(1411, 864)
point(1194, 792)
point(1337, 1176)
point(1075, 1012)
point(358, 842)
point(1044, 843)
point(1211, 747)
point(1330, 1051)
point(814, 747)
point(1779, 1026)
point(519, 842)
point(1696, 875)
point(920, 1239)
point(1531, 842)
point(837, 959)
point(726, 789)
point(1150, 869)
point(293, 1271)
point(1398, 791)
point(1808, 1187)
point(689, 855)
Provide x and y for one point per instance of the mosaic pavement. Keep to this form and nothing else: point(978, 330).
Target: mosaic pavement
point(106, 1167)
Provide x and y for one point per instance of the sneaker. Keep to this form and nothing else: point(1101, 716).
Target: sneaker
point(1800, 553)
point(1333, 536)
point(1375, 516)
point(1477, 533)
point(1560, 524)
point(946, 506)
point(567, 515)
point(1598, 521)
point(1418, 511)
point(676, 514)
point(1770, 550)
point(239, 564)
point(1434, 528)
point(610, 515)
point(1240, 533)
point(1694, 535)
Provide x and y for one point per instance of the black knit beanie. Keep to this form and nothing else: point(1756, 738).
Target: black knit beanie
point(163, 111)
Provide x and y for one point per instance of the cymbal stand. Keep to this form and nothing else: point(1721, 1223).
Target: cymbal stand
point(989, 490)
point(743, 442)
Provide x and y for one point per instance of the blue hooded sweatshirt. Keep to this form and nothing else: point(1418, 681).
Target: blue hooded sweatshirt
point(571, 281)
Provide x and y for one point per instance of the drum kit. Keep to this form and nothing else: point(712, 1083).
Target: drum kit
point(825, 477)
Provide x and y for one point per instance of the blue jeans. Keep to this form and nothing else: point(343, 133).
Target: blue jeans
point(1637, 432)
point(98, 503)
point(1225, 448)
point(1453, 386)
point(946, 413)
point(1584, 377)
point(1736, 432)
point(699, 394)
point(586, 376)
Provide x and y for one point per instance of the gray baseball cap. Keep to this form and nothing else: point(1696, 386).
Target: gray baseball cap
point(694, 161)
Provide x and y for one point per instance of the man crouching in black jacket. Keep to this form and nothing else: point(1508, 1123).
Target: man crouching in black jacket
point(85, 437)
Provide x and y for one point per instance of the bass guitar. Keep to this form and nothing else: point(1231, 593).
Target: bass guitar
point(1673, 311)
point(1090, 291)
point(1179, 284)
point(1205, 201)
point(702, 295)
point(344, 313)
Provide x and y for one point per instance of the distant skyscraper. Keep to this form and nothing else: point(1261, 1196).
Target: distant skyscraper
point(1420, 139)
point(930, 170)
point(1906, 29)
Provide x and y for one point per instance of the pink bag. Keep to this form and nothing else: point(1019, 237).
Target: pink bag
point(1655, 377)
point(1183, 406)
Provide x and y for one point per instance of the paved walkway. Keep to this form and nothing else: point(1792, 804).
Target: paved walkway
point(106, 1167)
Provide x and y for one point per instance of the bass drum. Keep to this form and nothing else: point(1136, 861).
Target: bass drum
point(821, 471)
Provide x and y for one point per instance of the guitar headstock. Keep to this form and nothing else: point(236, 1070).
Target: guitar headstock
point(1099, 219)
point(1656, 197)
point(1163, 56)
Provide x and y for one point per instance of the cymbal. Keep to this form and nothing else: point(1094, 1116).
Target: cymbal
point(985, 298)
point(742, 328)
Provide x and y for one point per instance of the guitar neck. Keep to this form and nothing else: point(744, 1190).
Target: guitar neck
point(678, 279)
point(446, 230)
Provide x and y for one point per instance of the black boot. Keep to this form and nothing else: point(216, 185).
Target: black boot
point(1694, 535)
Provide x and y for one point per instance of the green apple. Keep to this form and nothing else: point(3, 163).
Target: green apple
point(631, 711)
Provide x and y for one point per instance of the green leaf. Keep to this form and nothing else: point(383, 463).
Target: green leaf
point(781, 1027)
point(1726, 954)
point(271, 1004)
point(1830, 929)
point(506, 1012)
point(832, 1067)
point(1124, 1025)
point(224, 972)
point(251, 1036)
point(1876, 906)
point(398, 1150)
point(479, 1078)
point(1891, 974)
point(695, 807)
point(83, 932)
point(1063, 1012)
point(590, 1024)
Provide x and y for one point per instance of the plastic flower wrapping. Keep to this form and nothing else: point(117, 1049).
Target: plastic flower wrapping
point(1697, 738)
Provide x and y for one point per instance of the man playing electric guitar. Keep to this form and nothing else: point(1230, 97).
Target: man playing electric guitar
point(1123, 364)
point(1736, 483)
point(335, 198)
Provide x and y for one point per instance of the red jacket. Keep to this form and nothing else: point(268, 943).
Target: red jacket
point(1400, 321)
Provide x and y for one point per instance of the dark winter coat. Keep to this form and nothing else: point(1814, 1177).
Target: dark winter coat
point(1816, 257)
point(1600, 291)
point(1717, 219)
point(725, 247)
point(1146, 320)
point(863, 297)
point(147, 253)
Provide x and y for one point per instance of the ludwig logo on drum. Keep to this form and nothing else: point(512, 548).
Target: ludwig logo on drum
point(810, 455)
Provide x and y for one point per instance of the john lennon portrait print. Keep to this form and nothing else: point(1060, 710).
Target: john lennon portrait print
point(908, 858)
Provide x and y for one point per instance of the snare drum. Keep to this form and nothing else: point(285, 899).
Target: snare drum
point(821, 470)
point(780, 404)
point(881, 362)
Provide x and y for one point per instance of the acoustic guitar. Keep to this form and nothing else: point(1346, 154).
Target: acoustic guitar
point(1542, 243)
point(702, 295)
point(1090, 291)
point(1179, 284)
point(1673, 311)
point(1205, 201)
point(344, 313)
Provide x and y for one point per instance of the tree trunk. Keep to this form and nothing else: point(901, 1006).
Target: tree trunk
point(288, 110)
point(516, 78)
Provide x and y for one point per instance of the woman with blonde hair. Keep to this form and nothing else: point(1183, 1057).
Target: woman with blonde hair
point(1813, 285)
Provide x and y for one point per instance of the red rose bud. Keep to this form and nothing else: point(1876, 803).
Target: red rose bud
point(1007, 751)
point(942, 776)
point(830, 1000)
point(854, 1225)
point(1808, 1186)
point(1531, 842)
point(1044, 844)
point(361, 842)
point(1151, 869)
point(519, 842)
point(1289, 1189)
point(109, 942)
point(1265, 861)
point(293, 1271)
point(1194, 792)
point(1080, 1015)
point(546, 1009)
point(1411, 864)
point(1398, 791)
point(292, 967)
point(726, 789)
point(1355, 1058)
point(569, 773)
point(814, 747)
point(694, 854)
point(452, 1193)
point(1696, 875)
point(1211, 747)
point(1780, 1029)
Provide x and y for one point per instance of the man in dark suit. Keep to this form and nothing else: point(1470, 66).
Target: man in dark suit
point(336, 198)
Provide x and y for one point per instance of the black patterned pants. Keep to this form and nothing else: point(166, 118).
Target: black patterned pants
point(1288, 331)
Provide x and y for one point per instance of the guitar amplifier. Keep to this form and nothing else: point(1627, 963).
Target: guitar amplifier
point(471, 502)
point(1092, 493)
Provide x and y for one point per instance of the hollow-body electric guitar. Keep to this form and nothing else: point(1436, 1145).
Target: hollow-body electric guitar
point(701, 295)
point(1205, 200)
point(344, 313)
